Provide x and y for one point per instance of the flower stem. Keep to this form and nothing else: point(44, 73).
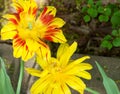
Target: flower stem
point(20, 77)
point(92, 91)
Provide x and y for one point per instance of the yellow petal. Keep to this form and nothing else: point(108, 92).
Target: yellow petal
point(85, 66)
point(62, 48)
point(37, 73)
point(51, 10)
point(84, 74)
point(26, 54)
point(58, 22)
point(76, 83)
point(65, 88)
point(75, 62)
point(80, 60)
point(60, 88)
point(17, 50)
point(40, 85)
point(12, 17)
point(33, 72)
point(44, 52)
point(57, 89)
point(58, 37)
point(53, 61)
point(67, 54)
point(77, 68)
point(24, 5)
point(74, 70)
point(21, 50)
point(41, 62)
point(48, 90)
point(8, 31)
point(33, 45)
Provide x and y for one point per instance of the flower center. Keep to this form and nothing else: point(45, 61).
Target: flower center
point(30, 26)
point(54, 68)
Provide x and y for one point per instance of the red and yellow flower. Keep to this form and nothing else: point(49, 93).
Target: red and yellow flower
point(60, 73)
point(29, 31)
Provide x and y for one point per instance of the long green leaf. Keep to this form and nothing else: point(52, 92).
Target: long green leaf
point(109, 84)
point(5, 84)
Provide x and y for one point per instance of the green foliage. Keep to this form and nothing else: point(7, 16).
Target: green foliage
point(104, 13)
point(5, 84)
point(92, 12)
point(112, 40)
point(96, 10)
point(86, 18)
point(115, 19)
point(103, 18)
point(109, 84)
point(116, 42)
point(106, 44)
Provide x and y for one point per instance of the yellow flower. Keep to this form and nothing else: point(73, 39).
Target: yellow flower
point(60, 73)
point(28, 31)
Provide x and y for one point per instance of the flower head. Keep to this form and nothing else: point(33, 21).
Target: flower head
point(28, 31)
point(60, 73)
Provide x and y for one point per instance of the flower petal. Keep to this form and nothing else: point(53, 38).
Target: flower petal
point(43, 56)
point(21, 50)
point(65, 89)
point(76, 83)
point(14, 18)
point(67, 54)
point(26, 55)
point(33, 45)
point(43, 52)
point(62, 48)
point(60, 89)
point(76, 62)
point(8, 31)
point(37, 73)
point(55, 36)
point(85, 66)
point(33, 72)
point(77, 68)
point(25, 5)
point(84, 74)
point(57, 22)
point(47, 15)
point(48, 10)
point(40, 85)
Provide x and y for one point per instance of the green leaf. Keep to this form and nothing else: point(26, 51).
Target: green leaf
point(107, 11)
point(86, 18)
point(92, 12)
point(100, 9)
point(107, 37)
point(103, 18)
point(90, 2)
point(115, 33)
point(91, 91)
point(5, 84)
point(99, 3)
point(84, 9)
point(118, 32)
point(109, 84)
point(115, 19)
point(106, 44)
point(116, 42)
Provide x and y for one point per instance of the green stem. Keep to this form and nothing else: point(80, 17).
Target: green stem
point(92, 91)
point(20, 77)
